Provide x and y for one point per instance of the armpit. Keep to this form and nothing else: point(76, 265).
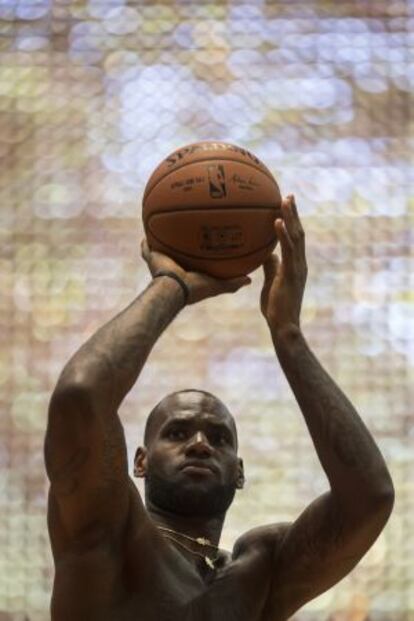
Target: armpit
point(266, 538)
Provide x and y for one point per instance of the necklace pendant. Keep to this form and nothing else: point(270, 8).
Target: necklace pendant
point(202, 541)
point(209, 562)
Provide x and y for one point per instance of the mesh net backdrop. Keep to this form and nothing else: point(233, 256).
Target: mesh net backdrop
point(93, 94)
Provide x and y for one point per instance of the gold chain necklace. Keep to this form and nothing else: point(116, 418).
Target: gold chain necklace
point(202, 541)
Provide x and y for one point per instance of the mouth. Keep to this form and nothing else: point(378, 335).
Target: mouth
point(196, 467)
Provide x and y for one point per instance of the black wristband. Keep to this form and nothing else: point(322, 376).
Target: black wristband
point(177, 278)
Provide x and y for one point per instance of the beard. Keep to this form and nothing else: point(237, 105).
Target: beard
point(188, 499)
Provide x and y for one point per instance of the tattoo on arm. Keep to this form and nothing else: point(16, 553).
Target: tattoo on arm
point(113, 357)
point(319, 535)
point(80, 444)
point(65, 475)
point(344, 445)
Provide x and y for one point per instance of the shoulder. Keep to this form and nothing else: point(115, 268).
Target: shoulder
point(262, 539)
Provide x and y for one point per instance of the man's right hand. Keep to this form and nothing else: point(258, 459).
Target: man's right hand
point(200, 286)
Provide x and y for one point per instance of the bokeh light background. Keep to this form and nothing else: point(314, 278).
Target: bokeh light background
point(93, 94)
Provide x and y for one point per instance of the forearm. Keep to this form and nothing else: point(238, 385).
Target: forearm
point(109, 363)
point(352, 461)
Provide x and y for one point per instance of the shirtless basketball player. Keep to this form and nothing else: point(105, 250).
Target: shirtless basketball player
point(120, 560)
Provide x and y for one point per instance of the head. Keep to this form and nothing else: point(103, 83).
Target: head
point(189, 459)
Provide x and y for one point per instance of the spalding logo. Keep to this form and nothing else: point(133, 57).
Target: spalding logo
point(179, 155)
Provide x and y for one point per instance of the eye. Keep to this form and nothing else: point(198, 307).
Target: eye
point(220, 438)
point(176, 434)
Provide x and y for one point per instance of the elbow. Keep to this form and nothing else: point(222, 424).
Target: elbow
point(74, 380)
point(386, 495)
point(383, 509)
point(70, 391)
point(382, 503)
point(379, 487)
point(373, 501)
point(73, 385)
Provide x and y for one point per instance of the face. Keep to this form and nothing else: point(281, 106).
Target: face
point(190, 464)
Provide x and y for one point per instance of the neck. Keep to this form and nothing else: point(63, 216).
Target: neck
point(210, 528)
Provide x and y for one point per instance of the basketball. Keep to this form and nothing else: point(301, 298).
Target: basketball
point(211, 206)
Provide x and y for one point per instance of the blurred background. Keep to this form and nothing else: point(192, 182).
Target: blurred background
point(93, 94)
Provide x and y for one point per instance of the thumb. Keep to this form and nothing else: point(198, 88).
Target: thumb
point(233, 284)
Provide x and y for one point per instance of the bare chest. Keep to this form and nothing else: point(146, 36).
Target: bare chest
point(178, 591)
point(161, 586)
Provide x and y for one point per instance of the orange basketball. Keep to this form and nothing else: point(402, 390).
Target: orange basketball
point(211, 207)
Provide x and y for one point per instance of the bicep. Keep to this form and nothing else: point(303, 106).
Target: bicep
point(320, 548)
point(86, 462)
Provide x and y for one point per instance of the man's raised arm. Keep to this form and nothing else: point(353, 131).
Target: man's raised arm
point(109, 363)
point(85, 449)
point(336, 530)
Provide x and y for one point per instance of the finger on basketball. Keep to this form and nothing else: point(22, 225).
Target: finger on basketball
point(145, 251)
point(294, 207)
point(287, 247)
point(299, 227)
point(283, 236)
point(288, 215)
point(293, 223)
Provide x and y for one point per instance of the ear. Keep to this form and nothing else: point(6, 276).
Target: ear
point(140, 462)
point(240, 475)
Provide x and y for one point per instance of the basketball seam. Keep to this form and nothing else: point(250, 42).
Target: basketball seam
point(208, 208)
point(193, 256)
point(207, 159)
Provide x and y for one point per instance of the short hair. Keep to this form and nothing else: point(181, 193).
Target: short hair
point(152, 416)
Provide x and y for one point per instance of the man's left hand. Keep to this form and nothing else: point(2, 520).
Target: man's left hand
point(285, 278)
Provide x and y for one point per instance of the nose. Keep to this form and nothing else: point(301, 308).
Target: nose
point(199, 445)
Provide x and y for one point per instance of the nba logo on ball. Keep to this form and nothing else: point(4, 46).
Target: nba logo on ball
point(211, 207)
point(216, 180)
point(221, 238)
